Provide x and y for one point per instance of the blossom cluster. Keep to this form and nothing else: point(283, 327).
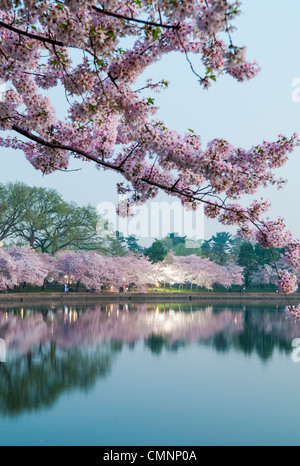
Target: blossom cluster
point(214, 15)
point(274, 235)
point(293, 312)
point(288, 283)
point(264, 275)
point(23, 265)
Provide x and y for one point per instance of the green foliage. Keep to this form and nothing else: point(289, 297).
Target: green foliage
point(157, 252)
point(218, 247)
point(247, 255)
point(247, 259)
point(55, 372)
point(265, 256)
point(14, 199)
point(39, 217)
point(131, 243)
point(182, 251)
point(176, 239)
point(178, 244)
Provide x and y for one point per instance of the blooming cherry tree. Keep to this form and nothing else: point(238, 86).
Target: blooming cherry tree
point(32, 267)
point(201, 272)
point(135, 269)
point(89, 268)
point(264, 275)
point(8, 271)
point(69, 267)
point(234, 275)
point(24, 265)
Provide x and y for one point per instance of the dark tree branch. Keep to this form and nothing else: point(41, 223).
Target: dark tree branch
point(140, 21)
point(57, 145)
point(46, 40)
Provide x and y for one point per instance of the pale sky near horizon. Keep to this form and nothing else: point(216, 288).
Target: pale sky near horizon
point(245, 114)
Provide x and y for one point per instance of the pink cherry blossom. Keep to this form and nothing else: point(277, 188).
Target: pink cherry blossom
point(23, 264)
point(288, 283)
point(293, 312)
point(201, 272)
point(264, 275)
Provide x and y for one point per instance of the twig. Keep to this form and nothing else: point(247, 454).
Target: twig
point(46, 40)
point(140, 21)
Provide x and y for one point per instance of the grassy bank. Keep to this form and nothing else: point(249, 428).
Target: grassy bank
point(58, 288)
point(216, 289)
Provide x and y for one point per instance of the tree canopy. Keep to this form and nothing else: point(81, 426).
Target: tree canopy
point(40, 218)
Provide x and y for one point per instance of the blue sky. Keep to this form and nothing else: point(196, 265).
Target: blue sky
point(245, 114)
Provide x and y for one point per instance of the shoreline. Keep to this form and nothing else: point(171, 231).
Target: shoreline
point(24, 299)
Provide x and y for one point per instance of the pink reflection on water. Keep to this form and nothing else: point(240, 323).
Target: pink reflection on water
point(21, 335)
point(95, 326)
point(70, 327)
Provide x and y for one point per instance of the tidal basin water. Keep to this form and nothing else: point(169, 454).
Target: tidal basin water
point(149, 375)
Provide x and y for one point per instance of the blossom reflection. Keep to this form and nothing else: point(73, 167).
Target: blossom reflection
point(24, 329)
point(55, 350)
point(96, 326)
point(70, 327)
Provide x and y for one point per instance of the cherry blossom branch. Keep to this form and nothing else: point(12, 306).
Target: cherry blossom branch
point(274, 260)
point(129, 155)
point(188, 58)
point(45, 40)
point(140, 21)
point(119, 169)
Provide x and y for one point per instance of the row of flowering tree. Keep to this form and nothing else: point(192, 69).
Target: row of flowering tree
point(94, 271)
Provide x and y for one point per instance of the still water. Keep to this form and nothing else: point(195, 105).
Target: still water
point(148, 375)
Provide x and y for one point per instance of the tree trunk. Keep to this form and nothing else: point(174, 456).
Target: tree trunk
point(29, 359)
point(21, 287)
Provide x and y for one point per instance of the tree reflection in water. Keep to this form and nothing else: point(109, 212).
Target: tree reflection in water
point(36, 380)
point(52, 351)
